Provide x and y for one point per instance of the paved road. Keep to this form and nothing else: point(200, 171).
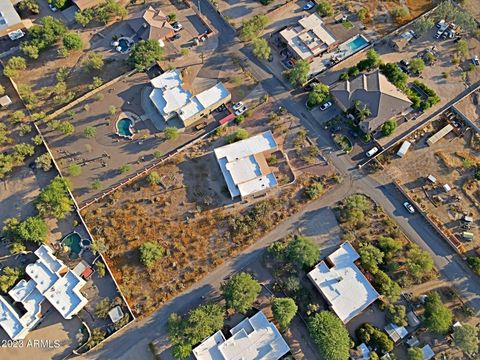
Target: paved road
point(132, 343)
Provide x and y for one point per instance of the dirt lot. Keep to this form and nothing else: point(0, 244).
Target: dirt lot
point(451, 161)
point(191, 215)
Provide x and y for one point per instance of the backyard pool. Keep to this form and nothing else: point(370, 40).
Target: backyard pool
point(123, 45)
point(357, 43)
point(125, 127)
point(74, 242)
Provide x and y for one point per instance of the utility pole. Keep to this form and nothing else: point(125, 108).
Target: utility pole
point(199, 8)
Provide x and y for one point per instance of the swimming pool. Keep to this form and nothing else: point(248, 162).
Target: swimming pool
point(123, 44)
point(357, 43)
point(73, 242)
point(124, 127)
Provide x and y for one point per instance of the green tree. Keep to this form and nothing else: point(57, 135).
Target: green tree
point(14, 65)
point(419, 262)
point(171, 133)
point(389, 127)
point(400, 13)
point(240, 134)
point(438, 317)
point(30, 5)
point(415, 353)
point(9, 277)
point(261, 49)
point(110, 9)
point(72, 41)
point(32, 51)
point(99, 246)
point(330, 336)
point(98, 335)
point(374, 337)
point(252, 28)
point(74, 169)
point(54, 199)
point(46, 33)
point(324, 8)
point(422, 25)
point(33, 229)
point(6, 164)
point(298, 75)
point(416, 65)
point(102, 308)
point(396, 314)
point(96, 185)
point(17, 247)
point(153, 178)
point(466, 338)
point(362, 14)
point(90, 131)
point(150, 252)
point(314, 191)
point(283, 310)
point(21, 151)
point(59, 4)
point(94, 61)
point(101, 269)
point(125, 168)
point(181, 351)
point(303, 252)
point(145, 53)
point(386, 286)
point(172, 17)
point(373, 59)
point(462, 47)
point(240, 292)
point(389, 246)
point(474, 262)
point(370, 257)
point(44, 162)
point(84, 17)
point(319, 94)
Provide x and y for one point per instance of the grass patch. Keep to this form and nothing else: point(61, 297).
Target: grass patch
point(344, 142)
point(347, 24)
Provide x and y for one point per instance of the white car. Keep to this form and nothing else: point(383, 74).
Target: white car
point(440, 23)
point(53, 8)
point(241, 110)
point(309, 5)
point(17, 34)
point(409, 207)
point(177, 26)
point(475, 60)
point(372, 151)
point(326, 105)
point(238, 105)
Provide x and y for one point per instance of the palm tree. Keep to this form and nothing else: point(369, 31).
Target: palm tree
point(364, 113)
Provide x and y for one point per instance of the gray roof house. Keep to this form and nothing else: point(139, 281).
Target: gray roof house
point(383, 99)
point(152, 24)
point(9, 18)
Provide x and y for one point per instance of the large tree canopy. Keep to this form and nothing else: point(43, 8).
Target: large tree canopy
point(54, 199)
point(438, 317)
point(240, 292)
point(330, 335)
point(145, 53)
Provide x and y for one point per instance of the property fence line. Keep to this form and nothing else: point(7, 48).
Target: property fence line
point(90, 94)
point(77, 210)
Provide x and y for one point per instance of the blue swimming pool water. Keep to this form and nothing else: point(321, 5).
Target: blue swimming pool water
point(124, 127)
point(357, 43)
point(123, 44)
point(73, 240)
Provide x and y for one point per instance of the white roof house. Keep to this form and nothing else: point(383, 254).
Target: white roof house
point(170, 98)
point(342, 283)
point(309, 38)
point(50, 279)
point(254, 338)
point(244, 166)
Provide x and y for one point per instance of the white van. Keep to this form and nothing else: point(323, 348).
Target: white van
point(372, 151)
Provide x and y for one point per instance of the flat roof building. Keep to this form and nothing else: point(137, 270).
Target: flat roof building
point(308, 38)
point(9, 18)
point(342, 283)
point(171, 99)
point(254, 338)
point(244, 166)
point(50, 279)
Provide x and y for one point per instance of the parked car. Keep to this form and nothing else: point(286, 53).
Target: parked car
point(440, 23)
point(326, 105)
point(237, 106)
point(241, 110)
point(17, 34)
point(200, 126)
point(372, 152)
point(409, 207)
point(309, 5)
point(475, 60)
point(404, 63)
point(53, 8)
point(177, 26)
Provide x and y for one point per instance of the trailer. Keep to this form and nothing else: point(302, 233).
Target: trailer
point(439, 134)
point(404, 148)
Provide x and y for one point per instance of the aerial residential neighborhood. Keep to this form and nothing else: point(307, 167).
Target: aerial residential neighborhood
point(240, 180)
